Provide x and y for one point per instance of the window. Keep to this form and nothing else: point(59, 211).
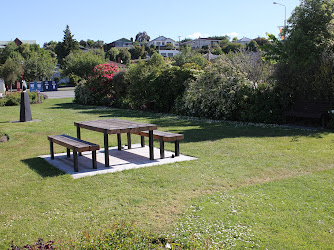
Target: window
point(164, 54)
point(158, 43)
point(170, 54)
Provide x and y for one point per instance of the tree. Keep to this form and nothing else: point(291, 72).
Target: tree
point(189, 56)
point(65, 47)
point(81, 64)
point(11, 71)
point(39, 65)
point(142, 37)
point(138, 51)
point(7, 52)
point(303, 69)
point(124, 55)
point(113, 53)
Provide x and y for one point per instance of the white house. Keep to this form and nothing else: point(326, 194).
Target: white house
point(244, 40)
point(168, 53)
point(162, 41)
point(200, 42)
point(17, 41)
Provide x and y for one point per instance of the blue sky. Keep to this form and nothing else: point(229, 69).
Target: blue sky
point(109, 20)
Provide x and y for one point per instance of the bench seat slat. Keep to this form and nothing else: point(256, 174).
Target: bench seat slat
point(166, 136)
point(74, 143)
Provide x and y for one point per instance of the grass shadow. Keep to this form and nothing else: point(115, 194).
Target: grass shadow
point(42, 167)
point(196, 130)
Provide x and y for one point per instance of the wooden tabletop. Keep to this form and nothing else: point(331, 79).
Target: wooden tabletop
point(115, 126)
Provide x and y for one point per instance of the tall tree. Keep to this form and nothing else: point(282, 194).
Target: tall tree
point(65, 47)
point(142, 37)
point(303, 69)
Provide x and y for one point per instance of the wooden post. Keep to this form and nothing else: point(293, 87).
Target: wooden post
point(142, 141)
point(68, 153)
point(79, 136)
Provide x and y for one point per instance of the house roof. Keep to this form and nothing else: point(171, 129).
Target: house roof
point(124, 40)
point(3, 44)
point(244, 39)
point(161, 38)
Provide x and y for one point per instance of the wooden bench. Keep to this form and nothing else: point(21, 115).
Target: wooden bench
point(76, 145)
point(310, 109)
point(162, 137)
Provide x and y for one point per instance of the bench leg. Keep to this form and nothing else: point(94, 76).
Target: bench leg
point(51, 150)
point(119, 141)
point(129, 140)
point(150, 143)
point(75, 157)
point(142, 141)
point(162, 148)
point(106, 149)
point(94, 159)
point(79, 136)
point(177, 148)
point(68, 153)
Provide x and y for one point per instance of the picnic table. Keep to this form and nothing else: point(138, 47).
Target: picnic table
point(117, 126)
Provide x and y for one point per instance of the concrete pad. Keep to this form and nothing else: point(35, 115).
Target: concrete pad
point(136, 157)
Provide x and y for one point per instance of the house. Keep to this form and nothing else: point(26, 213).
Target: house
point(200, 42)
point(168, 53)
point(244, 40)
point(162, 41)
point(120, 43)
point(17, 41)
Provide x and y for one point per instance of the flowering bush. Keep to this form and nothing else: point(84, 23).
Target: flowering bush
point(99, 87)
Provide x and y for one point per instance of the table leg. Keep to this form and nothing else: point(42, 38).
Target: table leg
point(150, 143)
point(129, 140)
point(79, 136)
point(119, 141)
point(162, 148)
point(106, 149)
point(51, 150)
point(75, 158)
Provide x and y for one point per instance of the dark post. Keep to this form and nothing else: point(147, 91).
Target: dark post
point(51, 150)
point(94, 159)
point(79, 136)
point(129, 140)
point(177, 148)
point(75, 156)
point(150, 143)
point(119, 141)
point(106, 149)
point(68, 153)
point(25, 112)
point(162, 148)
point(142, 141)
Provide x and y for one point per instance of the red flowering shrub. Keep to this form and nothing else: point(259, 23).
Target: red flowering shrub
point(99, 85)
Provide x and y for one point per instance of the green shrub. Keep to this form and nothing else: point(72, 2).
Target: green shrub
point(14, 99)
point(156, 84)
point(224, 91)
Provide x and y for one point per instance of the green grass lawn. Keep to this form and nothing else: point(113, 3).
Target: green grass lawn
point(252, 186)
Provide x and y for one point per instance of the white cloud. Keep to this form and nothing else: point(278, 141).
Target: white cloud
point(197, 35)
point(233, 34)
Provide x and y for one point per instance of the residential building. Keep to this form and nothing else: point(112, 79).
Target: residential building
point(168, 53)
point(200, 42)
point(120, 43)
point(162, 41)
point(244, 40)
point(17, 41)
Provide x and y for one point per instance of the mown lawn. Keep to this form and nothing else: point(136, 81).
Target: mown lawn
point(252, 186)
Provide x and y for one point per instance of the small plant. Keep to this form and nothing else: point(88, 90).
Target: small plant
point(37, 245)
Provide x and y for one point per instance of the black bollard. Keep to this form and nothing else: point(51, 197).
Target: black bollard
point(25, 112)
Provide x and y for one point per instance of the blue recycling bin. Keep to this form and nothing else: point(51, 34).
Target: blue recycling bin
point(46, 86)
point(39, 86)
point(54, 86)
point(32, 86)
